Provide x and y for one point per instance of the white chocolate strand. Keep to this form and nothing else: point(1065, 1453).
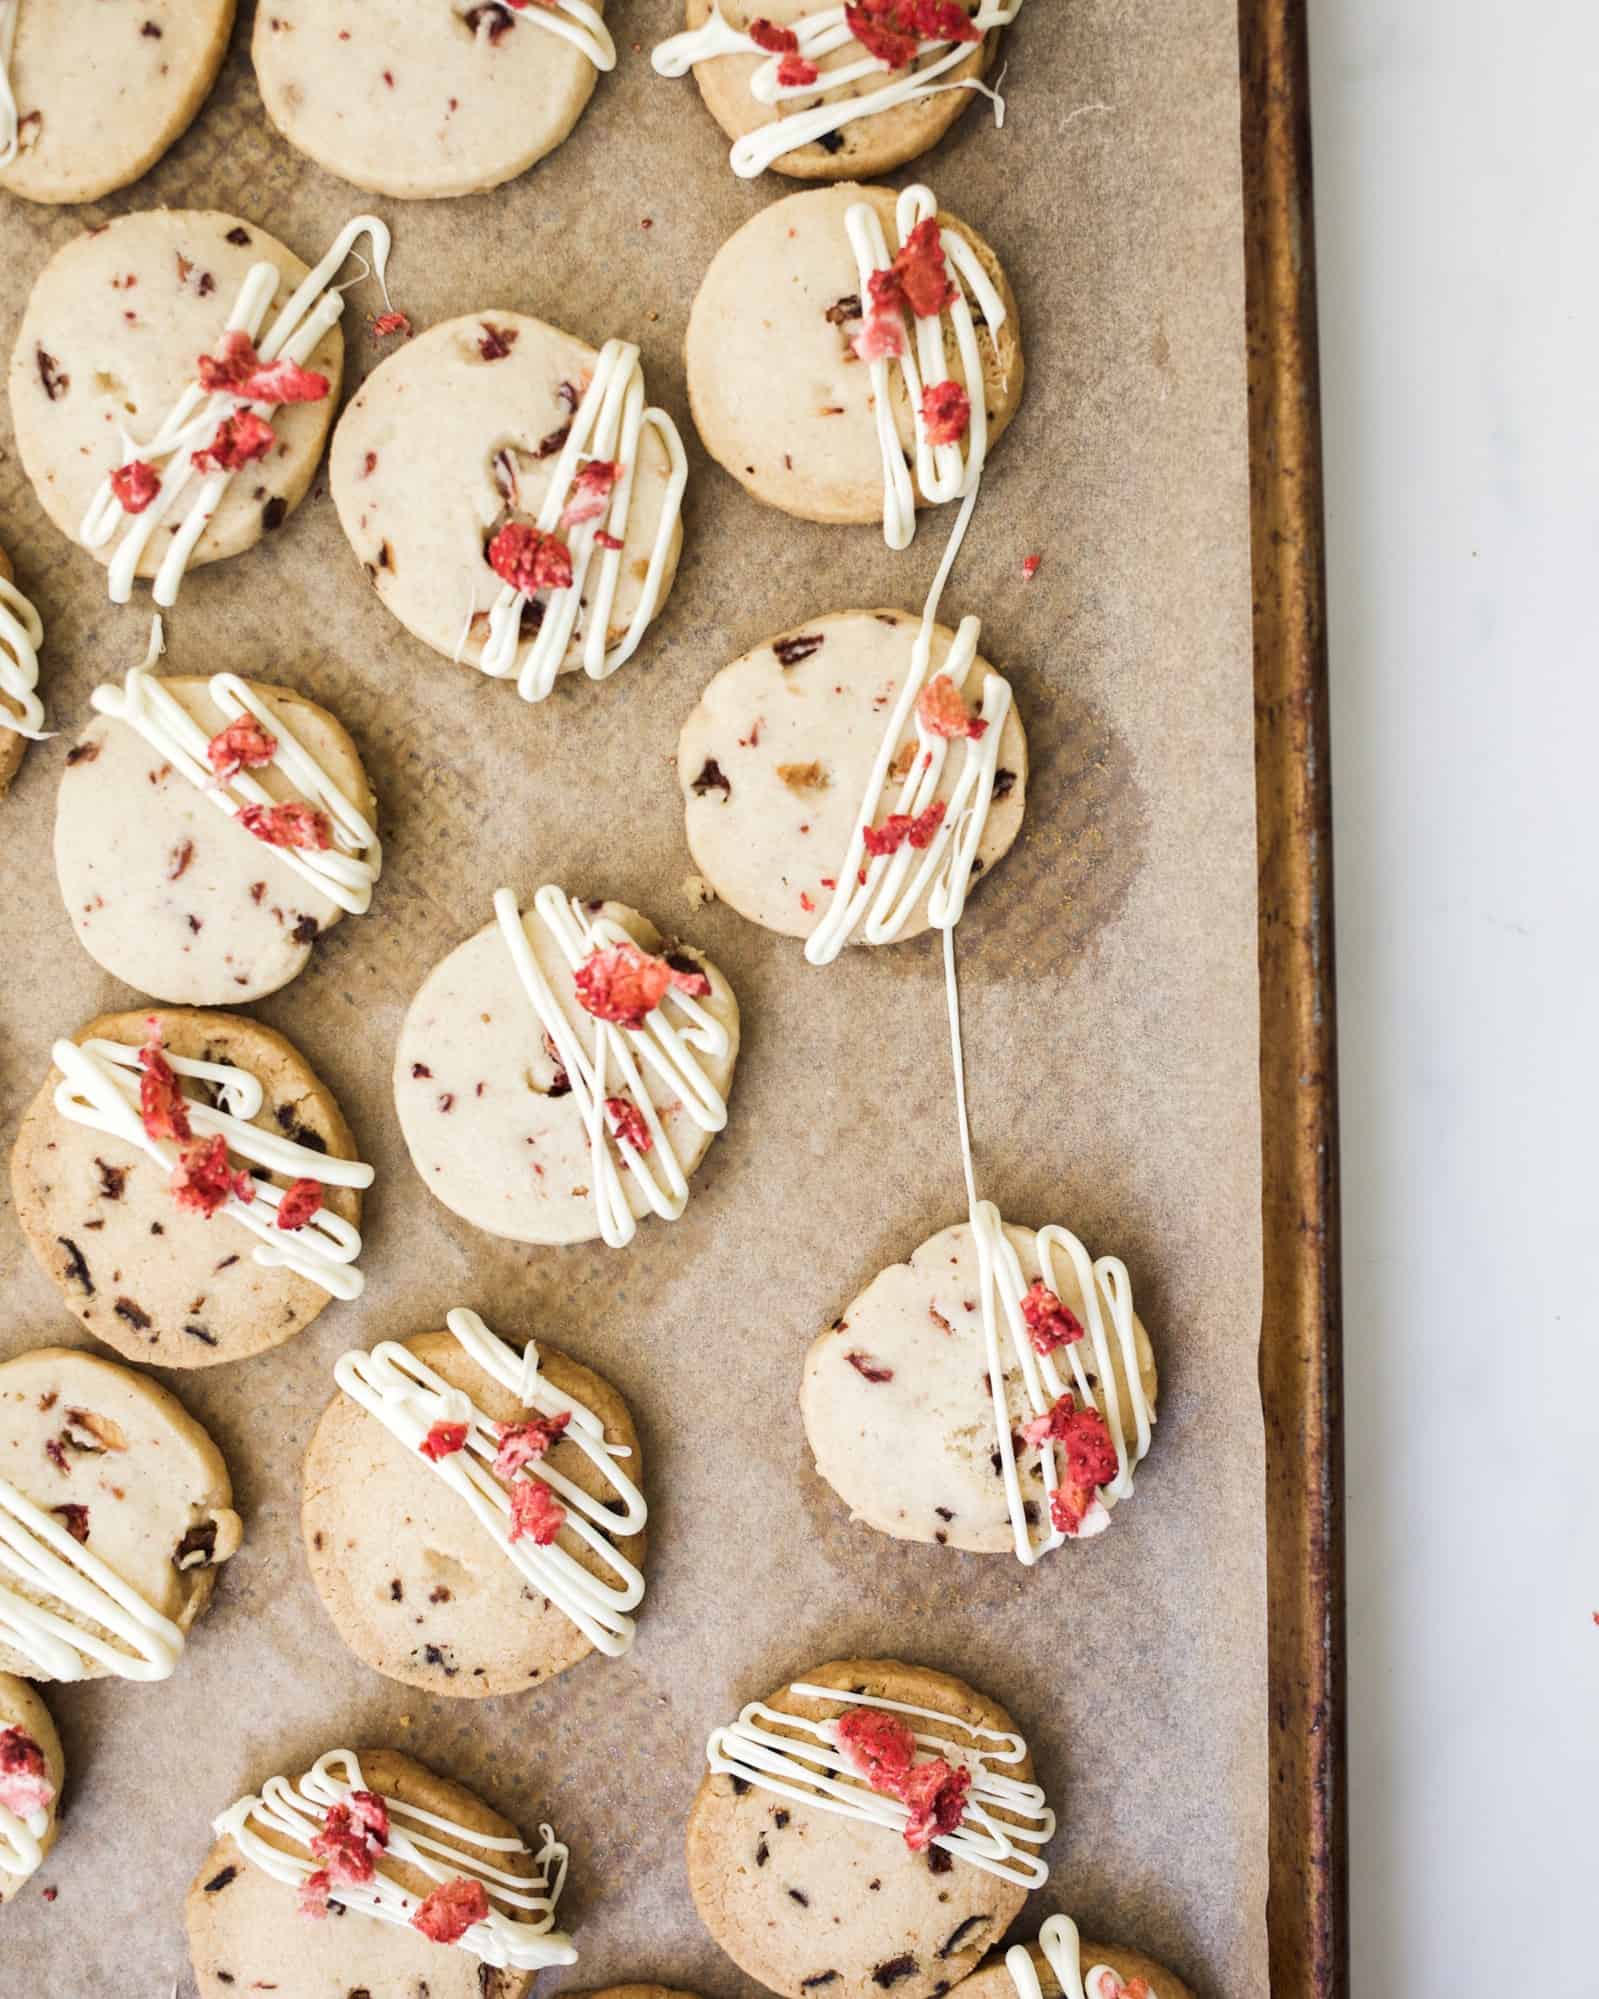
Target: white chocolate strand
point(821, 34)
point(346, 871)
point(613, 1067)
point(408, 1398)
point(608, 425)
point(21, 1850)
point(574, 21)
point(100, 1088)
point(1062, 1947)
point(519, 1931)
point(10, 133)
point(799, 1759)
point(315, 306)
point(21, 635)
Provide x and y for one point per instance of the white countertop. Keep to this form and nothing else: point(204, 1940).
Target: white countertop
point(1457, 193)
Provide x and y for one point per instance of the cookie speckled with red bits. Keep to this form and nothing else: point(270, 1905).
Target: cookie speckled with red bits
point(101, 93)
point(773, 763)
point(421, 98)
point(32, 1772)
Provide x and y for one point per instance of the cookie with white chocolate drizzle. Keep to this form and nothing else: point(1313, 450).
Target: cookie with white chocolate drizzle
point(115, 1512)
point(1064, 1965)
point(32, 1771)
point(21, 710)
point(190, 1186)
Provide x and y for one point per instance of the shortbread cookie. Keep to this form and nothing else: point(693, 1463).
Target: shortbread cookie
point(21, 710)
point(900, 1404)
point(90, 100)
point(883, 1835)
point(466, 1511)
point(1063, 1965)
point(437, 1893)
point(562, 1073)
point(513, 501)
point(438, 98)
point(787, 761)
point(190, 1185)
point(32, 1771)
point(208, 832)
point(783, 399)
point(155, 436)
point(115, 1510)
point(821, 94)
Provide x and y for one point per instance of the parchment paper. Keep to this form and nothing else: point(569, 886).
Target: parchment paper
point(1110, 1006)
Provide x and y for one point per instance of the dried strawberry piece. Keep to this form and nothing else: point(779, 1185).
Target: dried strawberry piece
point(390, 322)
point(1090, 1458)
point(1049, 1323)
point(451, 1910)
point(1109, 1986)
point(536, 1511)
point(885, 29)
point(529, 560)
point(797, 72)
point(899, 827)
point(627, 1121)
point(313, 1895)
point(918, 278)
point(623, 984)
point(602, 539)
point(775, 40)
point(871, 1370)
point(942, 711)
point(239, 371)
point(1030, 567)
point(370, 1811)
point(75, 1518)
point(443, 1441)
point(591, 491)
point(879, 1746)
point(881, 338)
point(300, 1200)
point(289, 824)
point(521, 1443)
point(242, 745)
point(945, 21)
point(162, 1105)
point(946, 412)
point(135, 485)
point(343, 1843)
point(239, 440)
point(25, 1786)
point(202, 1180)
point(935, 1795)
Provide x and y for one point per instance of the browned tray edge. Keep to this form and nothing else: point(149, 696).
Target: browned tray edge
point(1300, 1354)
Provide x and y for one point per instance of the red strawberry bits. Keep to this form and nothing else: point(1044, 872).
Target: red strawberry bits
point(451, 1910)
point(529, 560)
point(591, 492)
point(1089, 1454)
point(25, 1786)
point(627, 1122)
point(203, 1180)
point(900, 827)
point(238, 370)
point(946, 412)
point(942, 711)
point(291, 824)
point(240, 440)
point(242, 745)
point(135, 485)
point(1049, 1324)
point(536, 1512)
point(776, 41)
point(300, 1200)
point(881, 1747)
point(443, 1441)
point(624, 985)
point(521, 1443)
point(918, 279)
point(162, 1105)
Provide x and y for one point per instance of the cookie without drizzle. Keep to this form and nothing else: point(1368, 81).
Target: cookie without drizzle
point(32, 1772)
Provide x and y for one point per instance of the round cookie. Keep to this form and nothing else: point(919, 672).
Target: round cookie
point(18, 665)
point(774, 761)
point(123, 1471)
point(459, 433)
point(99, 104)
point(158, 1282)
point(493, 1120)
point(110, 340)
point(32, 1771)
point(808, 1900)
point(897, 1408)
point(416, 1585)
point(171, 895)
point(246, 1932)
point(858, 149)
point(994, 1980)
point(421, 100)
point(778, 395)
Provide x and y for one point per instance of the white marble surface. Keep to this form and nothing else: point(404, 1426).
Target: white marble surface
point(1457, 168)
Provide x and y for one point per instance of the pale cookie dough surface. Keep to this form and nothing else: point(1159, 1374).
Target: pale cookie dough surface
point(410, 98)
point(21, 1707)
point(103, 91)
point(993, 1981)
point(158, 1283)
point(812, 1903)
point(780, 399)
point(443, 446)
point(862, 148)
point(489, 1129)
point(83, 371)
point(774, 761)
point(76, 1430)
point(416, 1586)
point(915, 1456)
point(168, 893)
point(13, 748)
point(246, 1933)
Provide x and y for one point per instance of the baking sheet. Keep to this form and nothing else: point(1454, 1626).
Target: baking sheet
point(1110, 1007)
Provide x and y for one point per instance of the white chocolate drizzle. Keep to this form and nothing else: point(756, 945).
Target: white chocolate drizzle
point(670, 1049)
point(819, 35)
point(21, 1848)
point(21, 635)
point(407, 1397)
point(573, 21)
point(315, 306)
point(100, 1089)
point(798, 1758)
point(608, 425)
point(519, 1931)
point(344, 872)
point(10, 133)
point(1062, 1947)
